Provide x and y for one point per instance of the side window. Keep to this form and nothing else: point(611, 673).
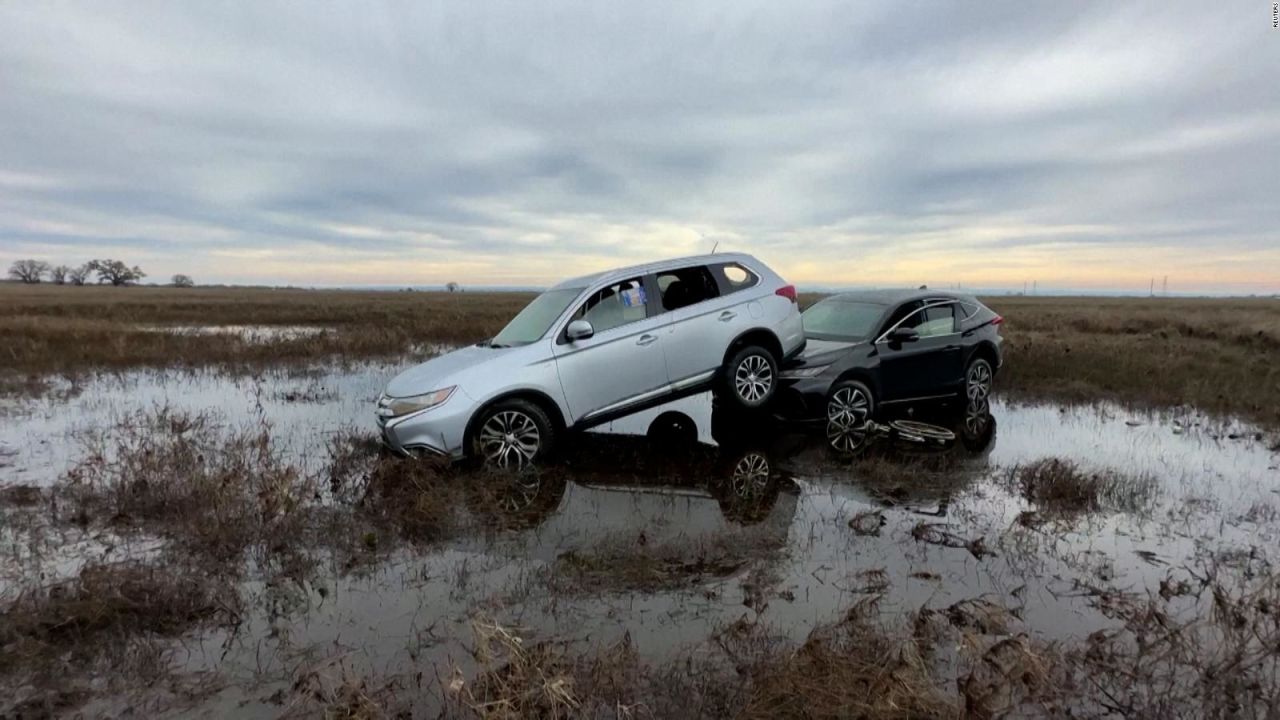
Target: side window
point(937, 320)
point(685, 286)
point(733, 277)
point(903, 311)
point(968, 310)
point(620, 303)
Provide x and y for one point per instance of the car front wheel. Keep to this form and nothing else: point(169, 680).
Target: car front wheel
point(513, 434)
point(750, 378)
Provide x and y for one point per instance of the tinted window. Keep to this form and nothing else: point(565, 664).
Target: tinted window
point(685, 286)
point(938, 320)
point(620, 303)
point(734, 277)
point(903, 311)
point(535, 319)
point(841, 320)
point(968, 310)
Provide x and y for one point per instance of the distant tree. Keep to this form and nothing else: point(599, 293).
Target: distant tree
point(58, 275)
point(28, 271)
point(451, 286)
point(116, 272)
point(78, 275)
point(183, 281)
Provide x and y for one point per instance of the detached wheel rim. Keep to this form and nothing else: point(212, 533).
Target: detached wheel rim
point(753, 379)
point(750, 475)
point(849, 408)
point(978, 381)
point(510, 439)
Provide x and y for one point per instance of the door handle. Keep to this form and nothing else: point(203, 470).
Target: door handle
point(646, 339)
point(727, 315)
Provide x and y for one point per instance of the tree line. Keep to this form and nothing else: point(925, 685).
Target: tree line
point(106, 272)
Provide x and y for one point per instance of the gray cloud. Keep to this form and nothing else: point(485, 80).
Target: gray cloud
point(871, 143)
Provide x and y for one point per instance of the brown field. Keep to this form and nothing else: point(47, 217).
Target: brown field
point(1215, 354)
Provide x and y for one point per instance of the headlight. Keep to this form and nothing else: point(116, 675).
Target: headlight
point(395, 407)
point(803, 372)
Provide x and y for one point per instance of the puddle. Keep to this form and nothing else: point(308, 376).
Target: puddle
point(722, 518)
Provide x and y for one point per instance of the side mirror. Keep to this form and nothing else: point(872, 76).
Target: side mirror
point(579, 330)
point(903, 335)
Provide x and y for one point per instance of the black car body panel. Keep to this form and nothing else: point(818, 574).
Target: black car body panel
point(926, 360)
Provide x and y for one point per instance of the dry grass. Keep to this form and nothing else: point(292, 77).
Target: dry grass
point(1217, 354)
point(631, 563)
point(1214, 354)
point(62, 642)
point(1061, 489)
point(45, 328)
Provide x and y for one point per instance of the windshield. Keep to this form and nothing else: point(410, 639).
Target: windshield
point(841, 320)
point(536, 318)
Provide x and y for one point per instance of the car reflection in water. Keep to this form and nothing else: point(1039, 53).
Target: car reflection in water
point(701, 467)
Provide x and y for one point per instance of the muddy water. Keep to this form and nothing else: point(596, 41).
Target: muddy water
point(794, 560)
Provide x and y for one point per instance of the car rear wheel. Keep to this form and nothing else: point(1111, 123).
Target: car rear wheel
point(977, 380)
point(513, 434)
point(750, 378)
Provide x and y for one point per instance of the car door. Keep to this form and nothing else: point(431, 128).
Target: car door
point(622, 363)
point(703, 321)
point(927, 366)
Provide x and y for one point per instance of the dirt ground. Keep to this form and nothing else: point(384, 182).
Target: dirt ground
point(195, 520)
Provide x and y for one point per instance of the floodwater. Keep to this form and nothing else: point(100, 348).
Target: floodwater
point(770, 503)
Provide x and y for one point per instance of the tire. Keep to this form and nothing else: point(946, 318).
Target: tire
point(978, 377)
point(750, 378)
point(513, 434)
point(850, 404)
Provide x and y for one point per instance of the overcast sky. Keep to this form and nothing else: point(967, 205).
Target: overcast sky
point(873, 143)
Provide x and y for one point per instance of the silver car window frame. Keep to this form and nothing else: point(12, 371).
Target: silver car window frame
point(928, 304)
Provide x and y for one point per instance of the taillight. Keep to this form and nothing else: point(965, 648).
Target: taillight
point(788, 292)
point(997, 320)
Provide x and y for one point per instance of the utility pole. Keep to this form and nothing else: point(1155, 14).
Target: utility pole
point(1152, 291)
point(1165, 289)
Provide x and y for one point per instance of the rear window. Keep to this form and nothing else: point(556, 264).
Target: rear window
point(686, 286)
point(733, 277)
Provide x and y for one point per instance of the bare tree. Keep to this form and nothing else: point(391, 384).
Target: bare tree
point(58, 275)
point(116, 272)
point(451, 286)
point(78, 275)
point(28, 271)
point(183, 281)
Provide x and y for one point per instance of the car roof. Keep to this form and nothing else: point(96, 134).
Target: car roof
point(897, 296)
point(633, 270)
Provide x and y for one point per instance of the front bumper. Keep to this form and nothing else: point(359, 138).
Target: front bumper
point(803, 398)
point(440, 430)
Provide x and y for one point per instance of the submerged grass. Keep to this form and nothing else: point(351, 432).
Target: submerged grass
point(1061, 489)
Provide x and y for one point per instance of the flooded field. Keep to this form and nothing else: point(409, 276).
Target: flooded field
point(687, 561)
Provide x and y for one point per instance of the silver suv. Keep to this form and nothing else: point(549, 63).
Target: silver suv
point(595, 348)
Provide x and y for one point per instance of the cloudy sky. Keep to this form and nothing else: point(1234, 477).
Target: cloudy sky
point(512, 143)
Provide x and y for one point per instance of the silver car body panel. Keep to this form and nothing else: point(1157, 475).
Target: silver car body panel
point(598, 377)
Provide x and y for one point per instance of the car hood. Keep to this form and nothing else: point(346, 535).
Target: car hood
point(442, 371)
point(818, 351)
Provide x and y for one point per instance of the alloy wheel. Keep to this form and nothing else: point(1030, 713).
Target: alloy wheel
point(751, 474)
point(978, 382)
point(510, 439)
point(753, 379)
point(849, 407)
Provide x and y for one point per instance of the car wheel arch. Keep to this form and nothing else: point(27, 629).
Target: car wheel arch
point(537, 397)
point(985, 350)
point(755, 336)
point(864, 376)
